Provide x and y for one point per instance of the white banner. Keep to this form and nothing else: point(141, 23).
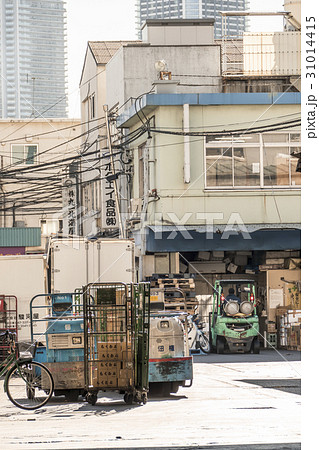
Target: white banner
point(70, 205)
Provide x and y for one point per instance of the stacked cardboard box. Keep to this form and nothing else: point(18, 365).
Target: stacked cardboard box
point(115, 367)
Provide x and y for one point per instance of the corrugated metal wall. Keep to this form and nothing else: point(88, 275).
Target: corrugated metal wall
point(20, 237)
point(272, 53)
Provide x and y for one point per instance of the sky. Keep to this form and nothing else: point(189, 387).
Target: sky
point(115, 20)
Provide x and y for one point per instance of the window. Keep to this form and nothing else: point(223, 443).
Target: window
point(92, 106)
point(24, 154)
point(253, 161)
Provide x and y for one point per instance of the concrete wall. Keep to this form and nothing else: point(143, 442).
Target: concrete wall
point(131, 71)
point(54, 138)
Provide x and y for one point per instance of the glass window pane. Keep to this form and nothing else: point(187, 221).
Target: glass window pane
point(31, 153)
point(275, 137)
point(276, 166)
point(246, 166)
point(295, 137)
point(295, 167)
point(17, 153)
point(219, 167)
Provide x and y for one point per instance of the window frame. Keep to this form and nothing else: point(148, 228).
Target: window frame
point(25, 153)
point(288, 144)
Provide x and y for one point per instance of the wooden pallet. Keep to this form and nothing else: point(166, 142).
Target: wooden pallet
point(178, 307)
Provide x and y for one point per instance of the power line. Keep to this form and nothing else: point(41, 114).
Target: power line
point(31, 136)
point(52, 148)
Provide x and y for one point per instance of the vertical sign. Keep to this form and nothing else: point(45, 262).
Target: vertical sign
point(109, 214)
point(69, 200)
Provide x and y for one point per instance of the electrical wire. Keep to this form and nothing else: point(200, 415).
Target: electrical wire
point(257, 129)
point(32, 136)
point(52, 148)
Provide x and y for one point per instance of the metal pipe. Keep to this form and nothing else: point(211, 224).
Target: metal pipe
point(187, 164)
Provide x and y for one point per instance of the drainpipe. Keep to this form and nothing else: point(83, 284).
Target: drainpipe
point(187, 163)
point(4, 206)
point(145, 205)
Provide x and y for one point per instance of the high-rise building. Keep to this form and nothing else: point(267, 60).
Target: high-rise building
point(193, 9)
point(32, 58)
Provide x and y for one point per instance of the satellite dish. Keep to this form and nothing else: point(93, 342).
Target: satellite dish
point(160, 65)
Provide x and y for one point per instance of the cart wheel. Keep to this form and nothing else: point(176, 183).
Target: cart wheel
point(128, 398)
point(144, 399)
point(91, 398)
point(255, 346)
point(220, 347)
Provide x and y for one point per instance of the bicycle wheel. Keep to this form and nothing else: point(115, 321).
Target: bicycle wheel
point(29, 385)
point(204, 343)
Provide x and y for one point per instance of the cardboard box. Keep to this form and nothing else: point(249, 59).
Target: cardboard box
point(282, 254)
point(281, 310)
point(207, 267)
point(232, 268)
point(109, 365)
point(271, 327)
point(125, 382)
point(162, 261)
point(107, 373)
point(294, 263)
point(240, 260)
point(109, 346)
point(218, 254)
point(112, 355)
point(126, 373)
point(275, 267)
point(111, 382)
point(120, 297)
point(275, 261)
point(204, 256)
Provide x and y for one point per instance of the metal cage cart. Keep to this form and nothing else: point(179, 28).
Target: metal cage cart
point(8, 322)
point(116, 340)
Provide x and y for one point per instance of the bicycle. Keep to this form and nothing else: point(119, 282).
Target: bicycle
point(28, 384)
point(196, 334)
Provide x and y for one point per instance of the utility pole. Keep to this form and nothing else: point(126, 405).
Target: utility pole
point(117, 203)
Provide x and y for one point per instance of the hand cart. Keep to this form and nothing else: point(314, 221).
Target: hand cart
point(116, 340)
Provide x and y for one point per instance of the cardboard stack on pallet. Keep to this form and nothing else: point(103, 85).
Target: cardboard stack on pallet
point(173, 299)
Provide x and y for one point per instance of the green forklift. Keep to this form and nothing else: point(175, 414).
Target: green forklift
point(234, 321)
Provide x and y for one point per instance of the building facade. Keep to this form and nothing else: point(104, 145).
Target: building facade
point(36, 158)
point(116, 72)
point(192, 9)
point(33, 59)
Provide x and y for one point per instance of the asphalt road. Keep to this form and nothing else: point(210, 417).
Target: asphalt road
point(236, 402)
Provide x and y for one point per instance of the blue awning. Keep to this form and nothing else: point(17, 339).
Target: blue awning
point(171, 239)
